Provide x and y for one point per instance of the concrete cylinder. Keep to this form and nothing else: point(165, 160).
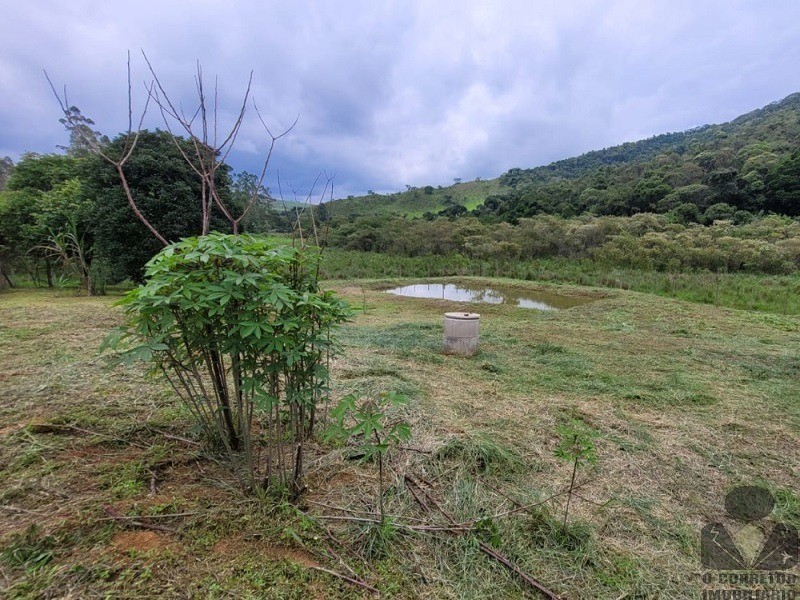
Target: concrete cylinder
point(461, 333)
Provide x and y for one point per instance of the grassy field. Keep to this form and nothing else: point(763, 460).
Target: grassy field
point(415, 203)
point(686, 401)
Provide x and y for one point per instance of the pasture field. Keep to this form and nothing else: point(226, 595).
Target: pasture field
point(104, 491)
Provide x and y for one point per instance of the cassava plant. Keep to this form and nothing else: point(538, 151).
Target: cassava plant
point(367, 420)
point(242, 331)
point(576, 446)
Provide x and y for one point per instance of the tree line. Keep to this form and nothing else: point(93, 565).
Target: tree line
point(769, 244)
point(66, 215)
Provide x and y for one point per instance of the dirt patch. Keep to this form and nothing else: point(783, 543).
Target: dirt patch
point(140, 541)
point(9, 429)
point(88, 452)
point(9, 374)
point(294, 554)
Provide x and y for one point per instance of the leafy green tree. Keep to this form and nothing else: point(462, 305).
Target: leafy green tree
point(783, 186)
point(719, 212)
point(43, 172)
point(646, 195)
point(17, 220)
point(38, 199)
point(685, 213)
point(168, 193)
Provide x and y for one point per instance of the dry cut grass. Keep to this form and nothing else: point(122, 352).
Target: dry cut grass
point(686, 401)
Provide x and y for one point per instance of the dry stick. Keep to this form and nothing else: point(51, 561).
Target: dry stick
point(339, 558)
point(360, 584)
point(540, 502)
point(174, 437)
point(105, 435)
point(488, 550)
point(18, 509)
point(464, 527)
point(342, 545)
point(121, 517)
point(136, 522)
point(358, 511)
point(500, 493)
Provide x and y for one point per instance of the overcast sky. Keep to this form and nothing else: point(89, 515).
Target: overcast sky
point(408, 92)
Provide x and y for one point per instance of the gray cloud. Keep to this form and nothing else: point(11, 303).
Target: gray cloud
point(407, 93)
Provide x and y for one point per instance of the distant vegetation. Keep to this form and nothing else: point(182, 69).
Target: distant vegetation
point(748, 166)
point(63, 215)
point(650, 215)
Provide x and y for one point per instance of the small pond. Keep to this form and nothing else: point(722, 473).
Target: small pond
point(497, 295)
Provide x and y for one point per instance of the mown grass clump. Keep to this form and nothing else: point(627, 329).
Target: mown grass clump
point(481, 454)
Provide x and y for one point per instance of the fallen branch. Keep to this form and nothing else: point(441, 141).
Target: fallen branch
point(136, 521)
point(527, 507)
point(18, 509)
point(361, 584)
point(51, 427)
point(484, 547)
point(172, 436)
point(120, 517)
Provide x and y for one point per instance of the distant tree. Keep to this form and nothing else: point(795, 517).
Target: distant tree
point(452, 211)
point(262, 215)
point(39, 180)
point(684, 213)
point(83, 138)
point(43, 172)
point(168, 192)
point(719, 212)
point(6, 167)
point(428, 189)
point(646, 195)
point(17, 230)
point(321, 213)
point(783, 186)
point(457, 179)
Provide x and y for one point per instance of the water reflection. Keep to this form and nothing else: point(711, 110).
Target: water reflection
point(459, 293)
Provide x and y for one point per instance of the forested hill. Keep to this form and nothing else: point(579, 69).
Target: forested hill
point(748, 165)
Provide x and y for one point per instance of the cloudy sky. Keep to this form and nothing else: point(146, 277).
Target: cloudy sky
point(404, 93)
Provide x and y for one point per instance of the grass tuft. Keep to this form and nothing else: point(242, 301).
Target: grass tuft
point(481, 454)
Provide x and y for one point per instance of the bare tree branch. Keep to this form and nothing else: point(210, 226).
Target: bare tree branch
point(94, 145)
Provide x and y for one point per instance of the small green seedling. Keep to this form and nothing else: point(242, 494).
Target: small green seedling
point(576, 445)
point(367, 420)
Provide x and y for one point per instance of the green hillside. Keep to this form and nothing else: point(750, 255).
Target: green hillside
point(748, 164)
point(415, 202)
